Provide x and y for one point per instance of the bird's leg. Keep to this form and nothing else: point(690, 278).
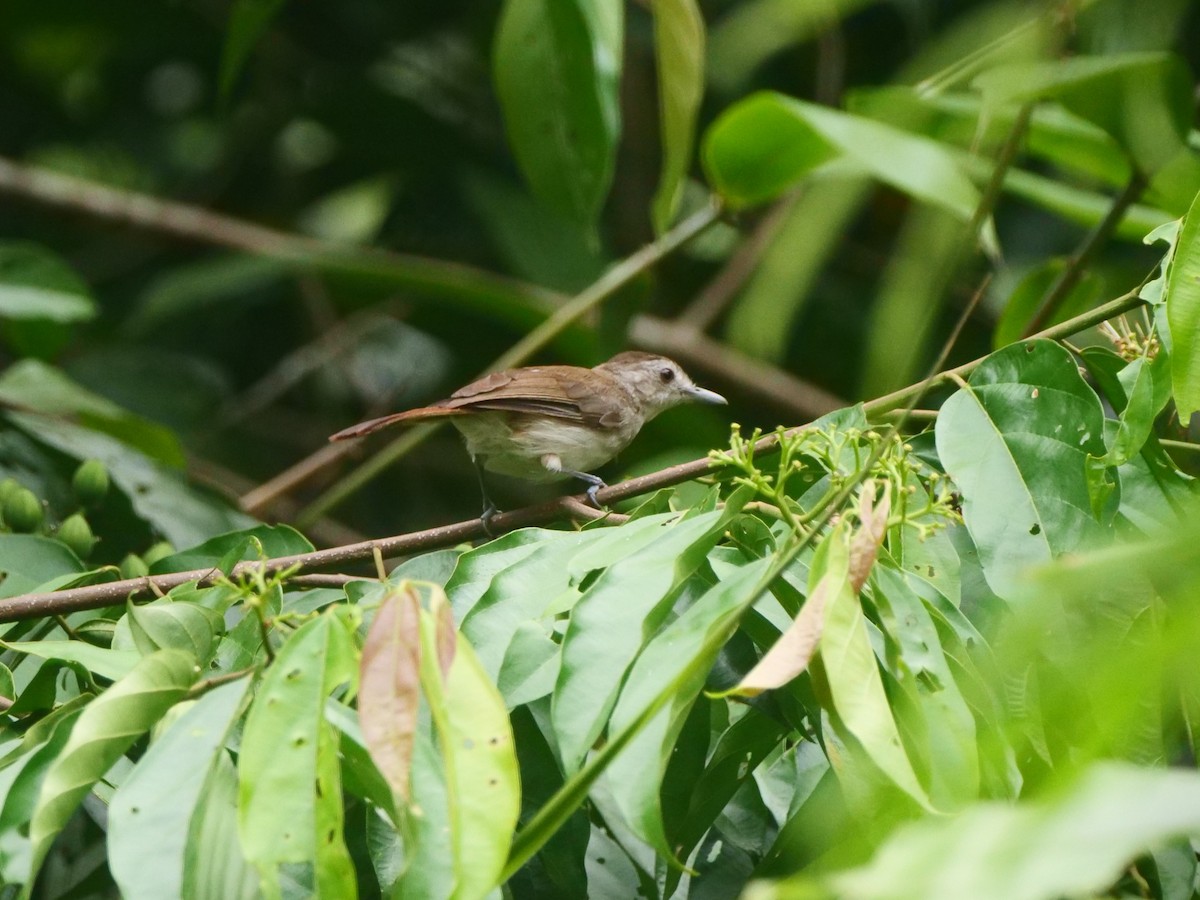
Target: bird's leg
point(489, 508)
point(594, 484)
point(553, 463)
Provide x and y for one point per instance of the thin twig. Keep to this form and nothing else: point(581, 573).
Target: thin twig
point(1082, 258)
point(717, 294)
point(617, 277)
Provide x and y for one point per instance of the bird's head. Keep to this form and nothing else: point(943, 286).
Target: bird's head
point(659, 383)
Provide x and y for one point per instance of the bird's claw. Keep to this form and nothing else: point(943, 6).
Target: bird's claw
point(489, 513)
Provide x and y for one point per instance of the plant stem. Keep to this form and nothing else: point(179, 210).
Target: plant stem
point(555, 324)
point(1096, 238)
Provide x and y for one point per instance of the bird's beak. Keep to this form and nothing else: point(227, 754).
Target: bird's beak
point(701, 395)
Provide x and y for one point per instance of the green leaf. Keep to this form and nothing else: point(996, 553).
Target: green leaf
point(679, 54)
point(102, 734)
point(214, 866)
point(768, 143)
point(1183, 313)
point(1144, 100)
point(150, 816)
point(20, 781)
point(1147, 384)
point(289, 796)
point(556, 76)
point(613, 620)
point(28, 561)
point(479, 760)
point(36, 387)
point(685, 649)
point(106, 663)
point(248, 22)
point(35, 284)
point(851, 672)
point(1016, 443)
point(166, 623)
point(1032, 851)
point(236, 546)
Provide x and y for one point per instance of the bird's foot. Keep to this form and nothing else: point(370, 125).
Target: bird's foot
point(489, 513)
point(591, 494)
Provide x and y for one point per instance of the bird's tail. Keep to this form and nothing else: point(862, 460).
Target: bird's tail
point(400, 418)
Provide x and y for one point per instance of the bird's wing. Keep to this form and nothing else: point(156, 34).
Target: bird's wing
point(563, 392)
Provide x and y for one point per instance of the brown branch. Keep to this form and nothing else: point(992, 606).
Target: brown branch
point(439, 278)
point(31, 606)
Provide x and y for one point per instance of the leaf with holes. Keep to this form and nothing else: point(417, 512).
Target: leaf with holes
point(1016, 442)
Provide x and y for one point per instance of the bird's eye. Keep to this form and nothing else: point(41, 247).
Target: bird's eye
point(667, 374)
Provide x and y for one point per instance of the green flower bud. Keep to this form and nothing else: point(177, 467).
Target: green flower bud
point(90, 483)
point(133, 566)
point(76, 533)
point(161, 550)
point(22, 510)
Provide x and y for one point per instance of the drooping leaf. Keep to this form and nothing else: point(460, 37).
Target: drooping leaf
point(35, 386)
point(20, 781)
point(556, 77)
point(1142, 99)
point(766, 144)
point(289, 797)
point(851, 673)
point(612, 621)
point(103, 732)
point(679, 55)
point(389, 686)
point(479, 761)
point(151, 813)
point(684, 650)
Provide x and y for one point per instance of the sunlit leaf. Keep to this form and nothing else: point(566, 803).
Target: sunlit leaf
point(290, 805)
point(104, 731)
point(35, 284)
point(147, 838)
point(1182, 293)
point(480, 763)
point(768, 143)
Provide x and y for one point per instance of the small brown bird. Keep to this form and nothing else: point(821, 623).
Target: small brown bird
point(547, 423)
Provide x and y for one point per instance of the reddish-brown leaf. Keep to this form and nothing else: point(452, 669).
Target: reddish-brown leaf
point(390, 687)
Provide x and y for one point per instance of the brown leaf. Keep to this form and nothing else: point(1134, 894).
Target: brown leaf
point(447, 634)
point(791, 654)
point(865, 544)
point(390, 687)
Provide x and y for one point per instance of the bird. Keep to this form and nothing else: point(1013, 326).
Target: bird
point(551, 423)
